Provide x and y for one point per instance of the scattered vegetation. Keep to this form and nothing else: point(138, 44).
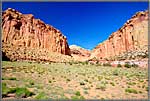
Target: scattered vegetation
point(46, 81)
point(20, 92)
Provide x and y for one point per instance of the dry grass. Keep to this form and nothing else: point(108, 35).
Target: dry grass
point(76, 81)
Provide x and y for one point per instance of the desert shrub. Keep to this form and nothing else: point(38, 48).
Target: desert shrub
point(86, 80)
point(106, 64)
point(5, 89)
point(101, 86)
point(130, 90)
point(113, 84)
point(147, 88)
point(140, 92)
point(86, 92)
point(84, 63)
point(70, 63)
point(77, 97)
point(11, 78)
point(31, 82)
point(100, 78)
point(127, 65)
point(116, 72)
point(119, 65)
point(22, 92)
point(131, 83)
point(41, 95)
point(98, 64)
point(67, 79)
point(77, 93)
point(135, 65)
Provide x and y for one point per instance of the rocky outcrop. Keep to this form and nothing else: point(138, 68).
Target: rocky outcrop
point(79, 53)
point(133, 36)
point(26, 32)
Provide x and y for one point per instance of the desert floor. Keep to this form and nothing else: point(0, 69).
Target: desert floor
point(29, 80)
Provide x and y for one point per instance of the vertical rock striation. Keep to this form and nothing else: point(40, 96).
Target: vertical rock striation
point(133, 36)
point(23, 30)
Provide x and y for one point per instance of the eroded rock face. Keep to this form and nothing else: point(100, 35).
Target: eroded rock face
point(79, 53)
point(133, 36)
point(23, 30)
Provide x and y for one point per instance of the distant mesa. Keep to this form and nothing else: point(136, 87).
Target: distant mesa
point(79, 53)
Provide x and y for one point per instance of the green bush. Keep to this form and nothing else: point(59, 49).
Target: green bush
point(116, 72)
point(77, 97)
point(20, 92)
point(31, 82)
point(68, 80)
point(113, 84)
point(70, 63)
point(41, 95)
point(77, 93)
point(119, 65)
point(5, 89)
point(130, 90)
point(127, 65)
point(11, 78)
point(100, 78)
point(86, 80)
point(50, 81)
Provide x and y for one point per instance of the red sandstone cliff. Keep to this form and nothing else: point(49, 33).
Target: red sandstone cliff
point(23, 30)
point(133, 36)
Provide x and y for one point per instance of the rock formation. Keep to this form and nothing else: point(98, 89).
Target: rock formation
point(79, 53)
point(26, 32)
point(132, 37)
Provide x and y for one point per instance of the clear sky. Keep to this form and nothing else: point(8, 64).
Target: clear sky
point(83, 23)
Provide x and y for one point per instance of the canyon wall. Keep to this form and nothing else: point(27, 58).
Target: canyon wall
point(132, 37)
point(23, 31)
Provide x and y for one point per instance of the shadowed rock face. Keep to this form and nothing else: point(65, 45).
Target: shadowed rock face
point(133, 36)
point(23, 30)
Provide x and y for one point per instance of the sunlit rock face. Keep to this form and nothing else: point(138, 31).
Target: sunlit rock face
point(23, 30)
point(132, 36)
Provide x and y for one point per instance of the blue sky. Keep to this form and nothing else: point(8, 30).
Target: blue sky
point(83, 23)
